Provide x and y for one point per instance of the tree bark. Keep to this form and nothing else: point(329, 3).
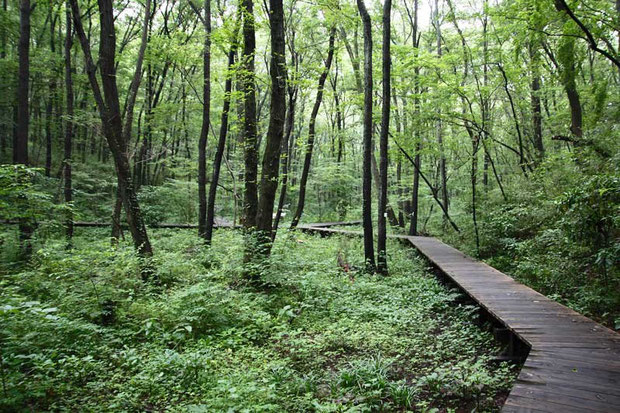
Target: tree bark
point(369, 254)
point(311, 130)
point(68, 188)
point(275, 132)
point(20, 145)
point(568, 73)
point(221, 144)
point(204, 132)
point(4, 130)
point(250, 199)
point(383, 142)
point(109, 111)
point(285, 158)
point(535, 100)
point(417, 163)
point(442, 155)
point(52, 99)
point(129, 111)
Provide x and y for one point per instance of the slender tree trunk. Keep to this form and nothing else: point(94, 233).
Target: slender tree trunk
point(129, 112)
point(68, 190)
point(486, 115)
point(474, 179)
point(413, 226)
point(204, 132)
point(352, 51)
point(20, 145)
point(522, 161)
point(275, 132)
point(369, 254)
point(285, 159)
point(339, 125)
point(535, 101)
point(401, 204)
point(442, 155)
point(250, 201)
point(221, 144)
point(383, 142)
point(51, 101)
point(568, 73)
point(4, 130)
point(311, 130)
point(110, 114)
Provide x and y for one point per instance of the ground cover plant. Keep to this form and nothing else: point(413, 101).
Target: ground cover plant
point(81, 331)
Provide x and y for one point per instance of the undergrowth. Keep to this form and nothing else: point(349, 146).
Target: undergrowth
point(79, 331)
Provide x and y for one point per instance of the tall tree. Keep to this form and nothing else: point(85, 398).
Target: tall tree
point(20, 144)
point(250, 198)
point(221, 143)
point(442, 155)
point(68, 189)
point(383, 140)
point(204, 132)
point(293, 89)
point(109, 110)
point(312, 130)
point(271, 157)
point(129, 113)
point(369, 253)
point(417, 164)
point(5, 106)
point(568, 73)
point(52, 101)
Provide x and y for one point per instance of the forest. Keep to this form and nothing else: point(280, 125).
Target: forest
point(162, 163)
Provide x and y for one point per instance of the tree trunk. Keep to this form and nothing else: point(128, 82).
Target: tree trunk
point(369, 254)
point(68, 189)
point(413, 225)
point(275, 132)
point(535, 101)
point(311, 130)
point(221, 144)
point(128, 111)
point(383, 142)
point(474, 178)
point(442, 155)
point(51, 98)
point(109, 111)
point(204, 132)
point(568, 73)
point(4, 130)
point(20, 145)
point(250, 201)
point(285, 159)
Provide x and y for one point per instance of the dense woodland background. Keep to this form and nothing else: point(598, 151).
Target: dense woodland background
point(509, 109)
point(493, 125)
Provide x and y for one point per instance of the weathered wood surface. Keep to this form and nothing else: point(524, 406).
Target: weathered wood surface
point(573, 364)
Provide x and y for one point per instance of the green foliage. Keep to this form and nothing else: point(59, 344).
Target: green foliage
point(80, 331)
point(559, 234)
point(21, 198)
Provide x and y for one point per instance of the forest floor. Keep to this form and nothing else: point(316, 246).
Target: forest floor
point(79, 330)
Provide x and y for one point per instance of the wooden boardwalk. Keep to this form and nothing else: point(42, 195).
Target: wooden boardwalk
point(573, 363)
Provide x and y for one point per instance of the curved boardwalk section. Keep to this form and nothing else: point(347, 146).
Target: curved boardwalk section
point(573, 363)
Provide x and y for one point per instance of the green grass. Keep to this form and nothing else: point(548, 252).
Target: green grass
point(80, 331)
